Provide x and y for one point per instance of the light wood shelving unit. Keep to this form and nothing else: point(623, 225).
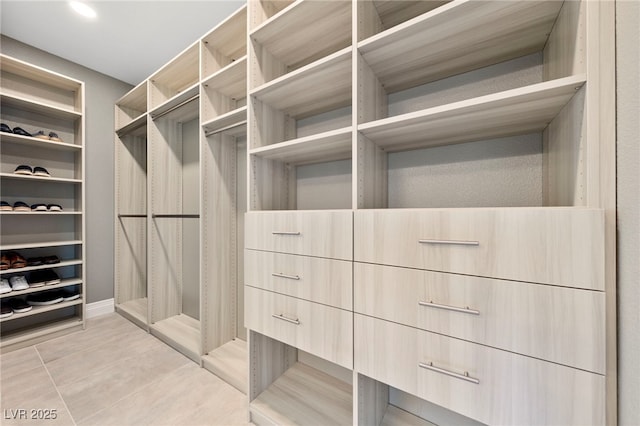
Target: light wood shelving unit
point(34, 99)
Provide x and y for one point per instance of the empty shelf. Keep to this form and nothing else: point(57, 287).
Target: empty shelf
point(182, 333)
point(394, 416)
point(229, 362)
point(136, 310)
point(231, 80)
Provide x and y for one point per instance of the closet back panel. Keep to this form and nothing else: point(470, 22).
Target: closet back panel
point(131, 258)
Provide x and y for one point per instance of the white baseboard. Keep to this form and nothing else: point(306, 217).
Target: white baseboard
point(100, 307)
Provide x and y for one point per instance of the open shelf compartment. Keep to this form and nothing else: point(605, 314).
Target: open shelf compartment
point(131, 106)
point(225, 91)
point(224, 44)
point(172, 80)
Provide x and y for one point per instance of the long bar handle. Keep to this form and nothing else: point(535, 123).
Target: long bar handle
point(466, 310)
point(452, 242)
point(281, 275)
point(465, 376)
point(283, 318)
point(285, 233)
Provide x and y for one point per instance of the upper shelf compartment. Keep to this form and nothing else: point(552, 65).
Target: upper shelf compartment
point(24, 81)
point(457, 37)
point(179, 75)
point(131, 106)
point(300, 34)
point(225, 44)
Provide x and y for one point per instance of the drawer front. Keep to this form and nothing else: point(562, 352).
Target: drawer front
point(312, 233)
point(326, 281)
point(318, 329)
point(561, 246)
point(511, 389)
point(558, 324)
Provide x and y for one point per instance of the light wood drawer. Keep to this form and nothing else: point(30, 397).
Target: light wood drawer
point(326, 281)
point(312, 233)
point(561, 246)
point(559, 324)
point(512, 389)
point(318, 329)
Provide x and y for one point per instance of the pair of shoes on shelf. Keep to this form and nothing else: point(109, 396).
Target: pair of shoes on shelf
point(51, 297)
point(5, 128)
point(43, 277)
point(46, 260)
point(20, 206)
point(16, 130)
point(5, 310)
point(15, 305)
point(40, 207)
point(4, 206)
point(23, 169)
point(51, 137)
point(12, 260)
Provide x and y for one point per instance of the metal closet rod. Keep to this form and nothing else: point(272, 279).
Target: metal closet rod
point(175, 107)
point(185, 216)
point(132, 215)
point(224, 129)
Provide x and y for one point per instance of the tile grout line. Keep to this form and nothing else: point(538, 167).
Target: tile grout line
point(55, 386)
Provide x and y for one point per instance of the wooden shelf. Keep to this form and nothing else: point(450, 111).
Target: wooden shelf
point(36, 107)
point(231, 81)
point(225, 43)
point(135, 99)
point(313, 29)
point(135, 309)
point(518, 111)
point(456, 38)
point(304, 395)
point(41, 333)
point(323, 147)
point(64, 283)
point(41, 75)
point(38, 143)
point(35, 268)
point(394, 416)
point(394, 12)
point(24, 246)
point(32, 213)
point(226, 121)
point(185, 97)
point(176, 77)
point(318, 87)
point(182, 333)
point(229, 362)
point(136, 127)
point(38, 178)
point(42, 309)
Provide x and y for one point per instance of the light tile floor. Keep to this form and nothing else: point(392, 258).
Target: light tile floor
point(112, 373)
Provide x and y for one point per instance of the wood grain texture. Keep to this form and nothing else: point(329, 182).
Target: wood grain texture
point(131, 105)
point(512, 387)
point(136, 310)
point(229, 362)
point(131, 259)
point(321, 330)
point(322, 233)
point(225, 43)
point(225, 121)
point(562, 325)
point(372, 175)
point(371, 399)
point(131, 175)
point(303, 395)
point(325, 281)
point(446, 42)
point(395, 416)
point(394, 12)
point(512, 243)
point(260, 11)
point(181, 72)
point(182, 333)
point(268, 360)
point(165, 268)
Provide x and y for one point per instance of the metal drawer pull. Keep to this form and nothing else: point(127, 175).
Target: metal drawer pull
point(285, 233)
point(464, 376)
point(281, 275)
point(466, 310)
point(283, 318)
point(452, 242)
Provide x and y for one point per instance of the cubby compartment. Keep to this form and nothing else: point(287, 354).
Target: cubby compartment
point(176, 82)
point(315, 30)
point(290, 386)
point(131, 292)
point(130, 110)
point(224, 98)
point(224, 202)
point(224, 44)
point(174, 263)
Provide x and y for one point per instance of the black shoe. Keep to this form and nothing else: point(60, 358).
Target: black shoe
point(36, 278)
point(54, 137)
point(38, 207)
point(5, 207)
point(34, 261)
point(20, 131)
point(19, 206)
point(41, 171)
point(70, 294)
point(45, 298)
point(50, 277)
point(5, 310)
point(54, 208)
point(19, 306)
point(50, 260)
point(5, 128)
point(40, 135)
point(23, 169)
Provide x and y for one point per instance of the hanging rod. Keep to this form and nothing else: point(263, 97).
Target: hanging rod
point(132, 215)
point(213, 132)
point(175, 107)
point(184, 216)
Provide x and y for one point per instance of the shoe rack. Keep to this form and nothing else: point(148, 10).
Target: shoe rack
point(35, 99)
point(181, 190)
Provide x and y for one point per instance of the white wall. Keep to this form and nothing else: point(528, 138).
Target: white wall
point(101, 92)
point(628, 188)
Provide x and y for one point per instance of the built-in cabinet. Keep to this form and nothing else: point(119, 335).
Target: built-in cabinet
point(180, 199)
point(49, 107)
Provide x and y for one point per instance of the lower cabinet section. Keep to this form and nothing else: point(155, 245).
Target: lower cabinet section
point(324, 331)
point(489, 385)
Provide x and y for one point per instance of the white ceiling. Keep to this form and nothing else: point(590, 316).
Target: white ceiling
point(128, 40)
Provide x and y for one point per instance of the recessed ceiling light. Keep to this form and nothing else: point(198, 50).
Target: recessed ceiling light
point(83, 9)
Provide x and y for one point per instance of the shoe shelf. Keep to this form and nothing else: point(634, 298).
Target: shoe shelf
point(51, 329)
point(23, 246)
point(322, 147)
point(321, 86)
point(455, 38)
point(42, 309)
point(38, 143)
point(229, 362)
point(224, 44)
point(181, 332)
point(512, 112)
point(32, 213)
point(63, 283)
point(304, 395)
point(39, 178)
point(35, 268)
point(30, 106)
point(314, 29)
point(227, 122)
point(131, 107)
point(175, 82)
